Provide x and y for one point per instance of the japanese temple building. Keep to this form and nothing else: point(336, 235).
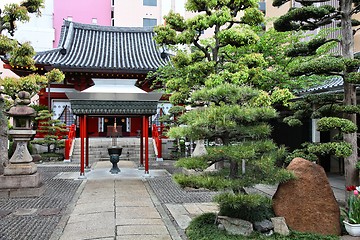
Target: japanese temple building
point(114, 59)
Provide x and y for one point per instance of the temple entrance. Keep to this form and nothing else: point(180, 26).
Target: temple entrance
point(120, 127)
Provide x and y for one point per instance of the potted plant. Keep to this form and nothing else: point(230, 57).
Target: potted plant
point(352, 224)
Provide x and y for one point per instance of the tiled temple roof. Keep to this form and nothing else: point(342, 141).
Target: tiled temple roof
point(103, 48)
point(331, 85)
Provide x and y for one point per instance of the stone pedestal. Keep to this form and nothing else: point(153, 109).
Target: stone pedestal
point(21, 186)
point(21, 178)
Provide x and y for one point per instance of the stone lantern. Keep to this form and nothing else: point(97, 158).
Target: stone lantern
point(21, 172)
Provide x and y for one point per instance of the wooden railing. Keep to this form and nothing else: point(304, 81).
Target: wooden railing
point(69, 142)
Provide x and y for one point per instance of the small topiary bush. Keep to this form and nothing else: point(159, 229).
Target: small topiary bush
point(251, 207)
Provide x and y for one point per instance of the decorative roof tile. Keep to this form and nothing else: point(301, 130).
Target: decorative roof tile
point(104, 48)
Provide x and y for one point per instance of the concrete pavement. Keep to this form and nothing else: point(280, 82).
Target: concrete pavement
point(123, 206)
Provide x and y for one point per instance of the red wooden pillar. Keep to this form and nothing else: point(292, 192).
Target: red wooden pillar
point(159, 146)
point(146, 135)
point(82, 151)
point(87, 142)
point(142, 142)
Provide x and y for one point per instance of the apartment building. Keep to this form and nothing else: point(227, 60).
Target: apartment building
point(273, 12)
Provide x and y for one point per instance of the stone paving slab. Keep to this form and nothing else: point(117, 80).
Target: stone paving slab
point(137, 212)
point(100, 217)
point(184, 213)
point(142, 237)
point(86, 208)
point(142, 230)
point(82, 230)
point(147, 221)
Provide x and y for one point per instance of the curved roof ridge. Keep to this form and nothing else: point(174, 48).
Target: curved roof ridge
point(85, 26)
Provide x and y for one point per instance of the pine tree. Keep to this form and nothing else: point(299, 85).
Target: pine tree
point(218, 77)
point(311, 15)
point(54, 131)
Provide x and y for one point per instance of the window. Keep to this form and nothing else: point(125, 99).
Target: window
point(150, 2)
point(149, 22)
point(94, 21)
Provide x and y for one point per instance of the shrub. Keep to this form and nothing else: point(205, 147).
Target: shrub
point(252, 207)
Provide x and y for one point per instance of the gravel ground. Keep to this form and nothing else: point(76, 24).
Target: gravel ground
point(36, 218)
point(167, 191)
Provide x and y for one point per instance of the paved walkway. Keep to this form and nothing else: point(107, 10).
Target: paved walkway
point(120, 206)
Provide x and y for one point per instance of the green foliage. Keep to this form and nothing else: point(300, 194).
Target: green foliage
point(22, 56)
point(306, 49)
point(253, 17)
point(31, 83)
point(339, 149)
point(292, 19)
point(353, 77)
point(55, 75)
point(251, 207)
point(33, 6)
point(196, 163)
point(203, 227)
point(281, 96)
point(353, 213)
point(328, 123)
point(312, 151)
point(13, 13)
point(6, 44)
point(323, 65)
point(238, 38)
point(55, 131)
point(206, 181)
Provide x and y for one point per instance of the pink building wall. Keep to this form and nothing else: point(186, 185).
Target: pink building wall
point(82, 11)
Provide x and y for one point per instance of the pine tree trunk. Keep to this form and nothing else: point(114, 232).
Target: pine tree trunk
point(351, 172)
point(3, 136)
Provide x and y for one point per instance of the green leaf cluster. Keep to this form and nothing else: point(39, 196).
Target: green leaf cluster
point(326, 65)
point(292, 20)
point(343, 125)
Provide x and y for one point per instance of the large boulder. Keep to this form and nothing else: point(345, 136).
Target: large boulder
point(308, 203)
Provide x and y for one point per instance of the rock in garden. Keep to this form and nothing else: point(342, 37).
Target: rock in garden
point(236, 226)
point(280, 226)
point(308, 203)
point(263, 226)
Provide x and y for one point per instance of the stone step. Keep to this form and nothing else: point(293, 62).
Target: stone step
point(98, 149)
